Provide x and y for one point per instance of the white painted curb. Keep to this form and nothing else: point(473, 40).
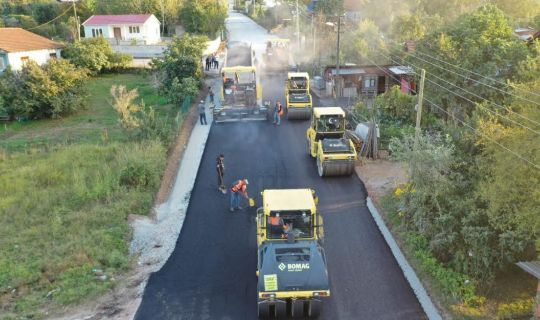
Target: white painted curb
point(419, 290)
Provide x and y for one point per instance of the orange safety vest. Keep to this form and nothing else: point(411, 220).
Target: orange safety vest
point(239, 186)
point(274, 221)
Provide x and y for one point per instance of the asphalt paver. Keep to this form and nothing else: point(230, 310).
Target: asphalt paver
point(211, 273)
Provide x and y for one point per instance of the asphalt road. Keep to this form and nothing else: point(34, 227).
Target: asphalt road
point(211, 273)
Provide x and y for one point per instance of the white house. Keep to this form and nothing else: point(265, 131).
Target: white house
point(141, 27)
point(18, 46)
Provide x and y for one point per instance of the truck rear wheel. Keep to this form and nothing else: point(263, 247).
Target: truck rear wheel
point(315, 307)
point(263, 311)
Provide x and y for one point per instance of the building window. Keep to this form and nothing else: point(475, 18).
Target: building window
point(97, 33)
point(2, 65)
point(134, 29)
point(52, 55)
point(369, 83)
point(25, 60)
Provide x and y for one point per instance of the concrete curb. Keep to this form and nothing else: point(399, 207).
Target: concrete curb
point(419, 290)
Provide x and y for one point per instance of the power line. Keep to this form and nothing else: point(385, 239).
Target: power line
point(485, 136)
point(462, 122)
point(475, 73)
point(456, 86)
point(467, 78)
point(41, 25)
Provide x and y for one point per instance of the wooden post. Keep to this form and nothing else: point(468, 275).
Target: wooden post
point(419, 109)
point(537, 302)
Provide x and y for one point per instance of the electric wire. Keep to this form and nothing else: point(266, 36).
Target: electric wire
point(54, 19)
point(469, 100)
point(472, 72)
point(462, 122)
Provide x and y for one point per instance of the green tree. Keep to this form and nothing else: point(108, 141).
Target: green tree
point(181, 89)
point(56, 89)
point(204, 16)
point(482, 41)
point(95, 55)
point(362, 46)
point(182, 59)
point(510, 187)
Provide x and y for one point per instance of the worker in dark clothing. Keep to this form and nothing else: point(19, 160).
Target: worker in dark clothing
point(220, 167)
point(207, 66)
point(239, 188)
point(202, 112)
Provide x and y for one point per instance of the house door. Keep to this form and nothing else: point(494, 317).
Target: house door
point(117, 33)
point(381, 85)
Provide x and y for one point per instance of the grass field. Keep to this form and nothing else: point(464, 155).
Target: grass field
point(88, 125)
point(65, 195)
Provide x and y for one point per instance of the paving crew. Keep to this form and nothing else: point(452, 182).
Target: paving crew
point(202, 112)
point(278, 112)
point(220, 167)
point(275, 220)
point(239, 188)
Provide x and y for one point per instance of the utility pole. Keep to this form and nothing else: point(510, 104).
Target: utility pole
point(162, 19)
point(297, 26)
point(77, 20)
point(313, 31)
point(76, 17)
point(338, 83)
point(419, 108)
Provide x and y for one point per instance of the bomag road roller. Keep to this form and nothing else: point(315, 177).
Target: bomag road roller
point(335, 154)
point(291, 265)
point(241, 91)
point(298, 98)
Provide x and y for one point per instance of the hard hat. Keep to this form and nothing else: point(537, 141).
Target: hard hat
point(277, 214)
point(202, 101)
point(246, 181)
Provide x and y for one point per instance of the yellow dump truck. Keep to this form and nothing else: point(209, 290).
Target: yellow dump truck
point(241, 91)
point(298, 98)
point(291, 265)
point(335, 154)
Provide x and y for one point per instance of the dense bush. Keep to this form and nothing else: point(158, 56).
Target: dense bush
point(53, 90)
point(180, 69)
point(96, 55)
point(204, 16)
point(515, 310)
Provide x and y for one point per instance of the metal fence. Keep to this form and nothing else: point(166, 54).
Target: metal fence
point(182, 111)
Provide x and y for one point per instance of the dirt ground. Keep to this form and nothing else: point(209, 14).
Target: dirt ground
point(381, 176)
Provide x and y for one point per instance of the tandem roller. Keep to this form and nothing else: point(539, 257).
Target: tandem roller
point(335, 154)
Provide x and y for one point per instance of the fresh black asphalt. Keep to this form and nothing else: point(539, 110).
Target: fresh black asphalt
point(211, 273)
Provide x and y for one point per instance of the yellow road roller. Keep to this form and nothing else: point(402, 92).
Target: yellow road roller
point(298, 98)
point(335, 154)
point(291, 265)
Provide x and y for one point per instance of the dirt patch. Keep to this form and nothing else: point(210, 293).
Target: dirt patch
point(380, 176)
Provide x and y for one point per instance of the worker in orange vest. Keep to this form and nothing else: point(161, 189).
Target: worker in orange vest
point(275, 220)
point(239, 188)
point(278, 112)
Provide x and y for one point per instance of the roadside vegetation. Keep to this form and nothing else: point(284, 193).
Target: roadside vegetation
point(470, 209)
point(85, 148)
